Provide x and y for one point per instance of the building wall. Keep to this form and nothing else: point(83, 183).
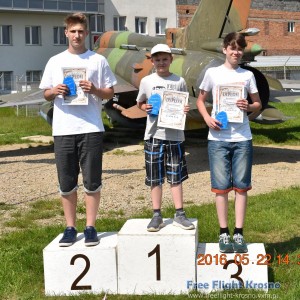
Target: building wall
point(19, 57)
point(274, 36)
point(270, 16)
point(136, 8)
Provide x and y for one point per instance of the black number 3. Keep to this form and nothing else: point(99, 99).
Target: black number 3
point(236, 275)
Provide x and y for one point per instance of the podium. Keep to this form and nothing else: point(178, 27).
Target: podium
point(79, 269)
point(155, 262)
point(218, 271)
point(134, 261)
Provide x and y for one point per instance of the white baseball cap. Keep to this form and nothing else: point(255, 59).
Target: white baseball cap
point(160, 48)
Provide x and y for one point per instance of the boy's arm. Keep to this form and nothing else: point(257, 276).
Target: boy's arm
point(51, 93)
point(211, 122)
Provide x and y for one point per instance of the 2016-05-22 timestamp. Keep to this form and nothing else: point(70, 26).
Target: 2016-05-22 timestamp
point(243, 259)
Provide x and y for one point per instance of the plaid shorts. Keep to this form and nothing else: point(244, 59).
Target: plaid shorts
point(164, 157)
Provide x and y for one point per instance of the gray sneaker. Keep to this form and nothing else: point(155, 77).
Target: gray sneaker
point(225, 244)
point(239, 245)
point(156, 223)
point(182, 221)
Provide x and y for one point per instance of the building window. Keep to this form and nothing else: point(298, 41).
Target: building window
point(5, 35)
point(6, 81)
point(291, 26)
point(140, 25)
point(119, 23)
point(160, 26)
point(33, 35)
point(97, 23)
point(59, 37)
point(33, 76)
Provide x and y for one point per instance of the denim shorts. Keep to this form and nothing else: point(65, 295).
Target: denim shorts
point(230, 165)
point(73, 152)
point(164, 157)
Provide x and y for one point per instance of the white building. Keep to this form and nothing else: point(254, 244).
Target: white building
point(31, 31)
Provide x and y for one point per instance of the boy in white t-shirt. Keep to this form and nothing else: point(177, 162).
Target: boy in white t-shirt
point(78, 129)
point(230, 149)
point(164, 148)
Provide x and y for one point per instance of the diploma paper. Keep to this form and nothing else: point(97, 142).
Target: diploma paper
point(80, 98)
point(171, 114)
point(227, 95)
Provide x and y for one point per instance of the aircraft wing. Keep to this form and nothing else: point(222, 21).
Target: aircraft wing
point(123, 86)
point(20, 103)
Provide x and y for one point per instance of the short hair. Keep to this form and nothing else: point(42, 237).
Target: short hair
point(75, 19)
point(233, 39)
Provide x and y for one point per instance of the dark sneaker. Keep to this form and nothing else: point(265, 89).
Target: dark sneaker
point(225, 244)
point(69, 237)
point(239, 245)
point(91, 238)
point(156, 223)
point(182, 221)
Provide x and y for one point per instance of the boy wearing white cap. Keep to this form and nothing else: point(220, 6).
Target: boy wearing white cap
point(164, 148)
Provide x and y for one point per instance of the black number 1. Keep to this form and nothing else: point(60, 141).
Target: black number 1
point(156, 251)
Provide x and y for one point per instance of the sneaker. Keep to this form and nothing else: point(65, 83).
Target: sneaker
point(91, 238)
point(69, 237)
point(239, 245)
point(182, 221)
point(156, 223)
point(225, 244)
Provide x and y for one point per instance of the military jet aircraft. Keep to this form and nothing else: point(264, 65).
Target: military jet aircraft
point(195, 48)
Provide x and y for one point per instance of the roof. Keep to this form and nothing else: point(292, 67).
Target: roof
point(276, 61)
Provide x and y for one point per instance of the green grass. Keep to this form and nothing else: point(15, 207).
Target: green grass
point(286, 133)
point(13, 128)
point(272, 219)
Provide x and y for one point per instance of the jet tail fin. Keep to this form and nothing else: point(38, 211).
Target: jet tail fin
point(212, 20)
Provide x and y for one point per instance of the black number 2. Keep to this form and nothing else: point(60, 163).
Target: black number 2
point(86, 269)
point(156, 251)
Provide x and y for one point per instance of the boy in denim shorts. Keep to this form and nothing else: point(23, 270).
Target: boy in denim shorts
point(164, 149)
point(78, 129)
point(230, 149)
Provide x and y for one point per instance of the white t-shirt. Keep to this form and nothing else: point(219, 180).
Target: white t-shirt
point(77, 119)
point(150, 85)
point(219, 76)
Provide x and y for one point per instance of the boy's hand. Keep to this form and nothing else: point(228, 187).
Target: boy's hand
point(87, 86)
point(213, 123)
point(242, 104)
point(148, 107)
point(186, 108)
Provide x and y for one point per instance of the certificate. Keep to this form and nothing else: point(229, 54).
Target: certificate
point(171, 114)
point(227, 96)
point(77, 74)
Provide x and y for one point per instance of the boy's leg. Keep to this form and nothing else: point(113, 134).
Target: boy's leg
point(91, 148)
point(69, 203)
point(92, 202)
point(177, 195)
point(239, 243)
point(156, 196)
point(222, 209)
point(155, 173)
point(240, 208)
point(67, 169)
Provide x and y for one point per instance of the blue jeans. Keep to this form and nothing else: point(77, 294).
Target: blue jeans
point(230, 166)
